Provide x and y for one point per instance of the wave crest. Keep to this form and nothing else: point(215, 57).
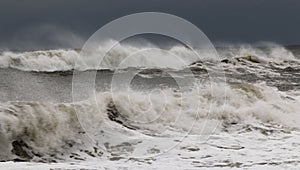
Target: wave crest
point(176, 57)
point(50, 132)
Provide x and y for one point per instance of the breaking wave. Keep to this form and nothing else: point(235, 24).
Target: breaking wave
point(50, 132)
point(176, 57)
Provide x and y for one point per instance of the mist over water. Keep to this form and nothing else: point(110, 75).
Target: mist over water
point(90, 85)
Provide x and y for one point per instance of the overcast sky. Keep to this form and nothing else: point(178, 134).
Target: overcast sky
point(63, 23)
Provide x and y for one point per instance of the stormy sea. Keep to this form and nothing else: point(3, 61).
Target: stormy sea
point(169, 115)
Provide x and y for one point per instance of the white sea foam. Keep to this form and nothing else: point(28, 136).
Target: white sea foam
point(126, 55)
point(36, 131)
point(48, 128)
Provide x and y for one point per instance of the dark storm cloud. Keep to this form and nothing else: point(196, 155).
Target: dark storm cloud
point(59, 23)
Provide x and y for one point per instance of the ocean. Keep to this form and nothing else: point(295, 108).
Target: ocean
point(157, 109)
